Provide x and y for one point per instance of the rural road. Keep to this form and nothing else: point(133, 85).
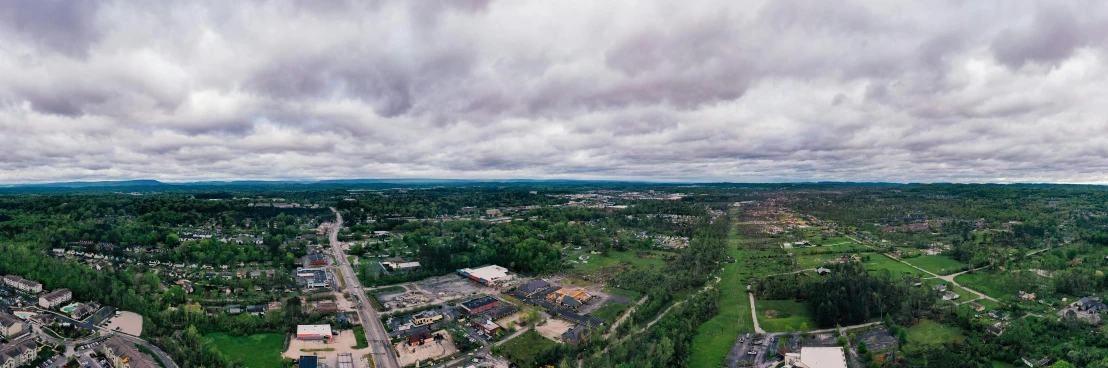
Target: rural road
point(754, 315)
point(383, 356)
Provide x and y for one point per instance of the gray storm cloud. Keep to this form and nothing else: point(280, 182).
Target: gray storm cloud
point(983, 91)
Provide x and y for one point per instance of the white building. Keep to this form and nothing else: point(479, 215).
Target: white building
point(822, 357)
point(313, 332)
point(488, 275)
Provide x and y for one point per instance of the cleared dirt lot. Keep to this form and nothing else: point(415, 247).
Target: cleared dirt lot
point(553, 329)
point(342, 344)
point(412, 354)
point(128, 322)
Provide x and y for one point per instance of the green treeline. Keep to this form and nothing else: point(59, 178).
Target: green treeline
point(850, 295)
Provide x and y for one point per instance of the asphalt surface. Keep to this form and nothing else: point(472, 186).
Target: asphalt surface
point(383, 355)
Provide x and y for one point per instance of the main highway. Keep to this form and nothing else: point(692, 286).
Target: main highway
point(383, 355)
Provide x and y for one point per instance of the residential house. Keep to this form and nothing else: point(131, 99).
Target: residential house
point(950, 295)
point(823, 270)
point(233, 309)
point(255, 309)
point(1091, 305)
point(1026, 296)
point(939, 287)
point(997, 329)
point(575, 335)
point(975, 306)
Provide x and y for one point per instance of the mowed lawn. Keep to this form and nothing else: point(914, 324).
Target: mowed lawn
point(526, 349)
point(939, 265)
point(255, 351)
point(985, 283)
point(610, 312)
point(783, 315)
point(715, 337)
point(929, 332)
point(877, 262)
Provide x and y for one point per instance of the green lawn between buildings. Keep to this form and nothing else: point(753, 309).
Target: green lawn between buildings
point(985, 283)
point(930, 332)
point(255, 351)
point(783, 315)
point(610, 312)
point(877, 262)
point(939, 265)
point(526, 349)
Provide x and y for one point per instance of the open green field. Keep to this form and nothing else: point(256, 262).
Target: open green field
point(610, 312)
point(597, 261)
point(634, 295)
point(939, 265)
point(715, 337)
point(359, 338)
point(813, 261)
point(877, 261)
point(929, 332)
point(260, 351)
point(526, 349)
point(985, 283)
point(782, 315)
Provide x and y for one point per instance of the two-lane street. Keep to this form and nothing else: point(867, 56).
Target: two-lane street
point(383, 355)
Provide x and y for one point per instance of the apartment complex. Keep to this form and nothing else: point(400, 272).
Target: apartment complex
point(124, 354)
point(22, 284)
point(55, 298)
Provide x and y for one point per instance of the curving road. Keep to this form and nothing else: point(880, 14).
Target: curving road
point(383, 355)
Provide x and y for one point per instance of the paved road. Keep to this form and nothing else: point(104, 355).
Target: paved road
point(951, 277)
point(754, 315)
point(383, 355)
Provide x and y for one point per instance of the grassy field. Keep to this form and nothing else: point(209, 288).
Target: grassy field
point(782, 315)
point(877, 261)
point(525, 350)
point(813, 261)
point(634, 295)
point(255, 351)
point(598, 261)
point(359, 338)
point(715, 337)
point(929, 332)
point(985, 283)
point(610, 312)
point(939, 265)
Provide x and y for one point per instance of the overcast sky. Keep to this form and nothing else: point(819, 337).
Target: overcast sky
point(779, 90)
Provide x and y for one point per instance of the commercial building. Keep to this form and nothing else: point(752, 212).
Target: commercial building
point(568, 297)
point(533, 287)
point(124, 354)
point(317, 260)
point(420, 338)
point(308, 361)
point(479, 305)
point(17, 354)
point(11, 325)
point(397, 264)
point(55, 298)
point(22, 284)
point(485, 325)
point(425, 318)
point(313, 332)
point(488, 275)
point(312, 278)
point(820, 357)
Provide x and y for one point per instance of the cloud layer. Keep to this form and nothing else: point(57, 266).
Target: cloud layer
point(778, 90)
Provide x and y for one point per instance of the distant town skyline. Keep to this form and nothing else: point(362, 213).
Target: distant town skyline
point(992, 91)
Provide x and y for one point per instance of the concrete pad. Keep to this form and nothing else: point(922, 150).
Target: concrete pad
point(128, 322)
